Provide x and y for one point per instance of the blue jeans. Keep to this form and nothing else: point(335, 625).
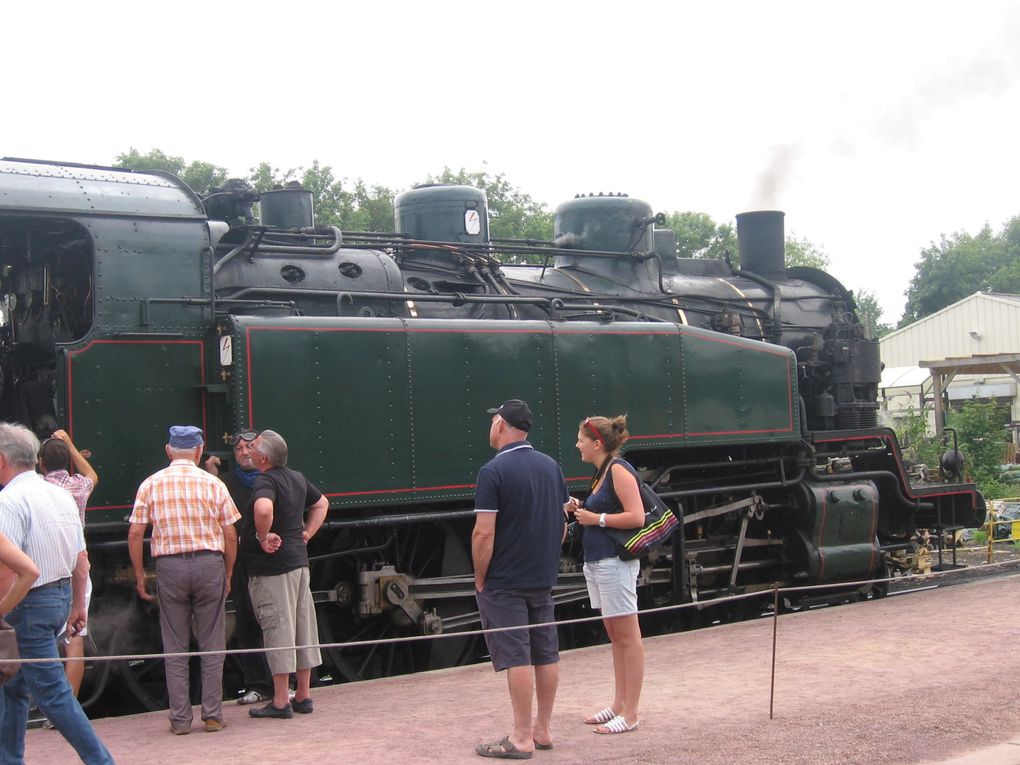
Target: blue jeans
point(38, 620)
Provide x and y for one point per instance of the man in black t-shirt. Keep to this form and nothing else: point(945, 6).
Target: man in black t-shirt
point(258, 683)
point(519, 527)
point(273, 547)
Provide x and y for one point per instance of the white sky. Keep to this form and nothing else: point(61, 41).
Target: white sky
point(876, 126)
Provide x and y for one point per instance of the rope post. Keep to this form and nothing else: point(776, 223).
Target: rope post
point(775, 629)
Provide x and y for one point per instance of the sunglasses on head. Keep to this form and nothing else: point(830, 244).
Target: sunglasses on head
point(247, 435)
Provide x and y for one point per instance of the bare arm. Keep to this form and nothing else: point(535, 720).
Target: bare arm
point(78, 617)
point(136, 549)
point(316, 516)
point(627, 491)
point(482, 539)
point(229, 551)
point(25, 574)
point(629, 494)
point(81, 464)
point(263, 510)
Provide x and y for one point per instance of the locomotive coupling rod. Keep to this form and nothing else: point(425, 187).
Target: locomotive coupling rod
point(751, 502)
point(783, 484)
point(398, 520)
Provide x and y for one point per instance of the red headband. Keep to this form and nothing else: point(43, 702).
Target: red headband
point(594, 431)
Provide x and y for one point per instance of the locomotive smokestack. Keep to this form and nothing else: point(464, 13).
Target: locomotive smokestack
point(762, 240)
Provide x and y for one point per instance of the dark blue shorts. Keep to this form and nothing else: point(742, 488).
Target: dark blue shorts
point(515, 608)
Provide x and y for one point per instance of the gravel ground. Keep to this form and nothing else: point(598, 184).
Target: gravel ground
point(913, 678)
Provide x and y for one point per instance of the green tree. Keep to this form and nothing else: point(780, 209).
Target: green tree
point(802, 252)
point(513, 214)
point(698, 236)
point(981, 438)
point(200, 176)
point(265, 177)
point(960, 265)
point(870, 314)
point(984, 442)
point(359, 208)
point(917, 444)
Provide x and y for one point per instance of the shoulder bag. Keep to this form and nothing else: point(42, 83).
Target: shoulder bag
point(660, 523)
point(9, 652)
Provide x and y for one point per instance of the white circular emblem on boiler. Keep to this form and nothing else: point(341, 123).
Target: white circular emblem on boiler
point(472, 223)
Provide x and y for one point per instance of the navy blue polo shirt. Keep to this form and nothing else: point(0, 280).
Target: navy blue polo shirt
point(526, 490)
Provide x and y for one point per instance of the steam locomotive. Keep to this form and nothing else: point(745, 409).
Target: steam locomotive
point(129, 303)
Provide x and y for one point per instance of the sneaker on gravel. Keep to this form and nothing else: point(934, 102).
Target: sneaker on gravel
point(302, 707)
point(253, 697)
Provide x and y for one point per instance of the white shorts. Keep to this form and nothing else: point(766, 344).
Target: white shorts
point(612, 585)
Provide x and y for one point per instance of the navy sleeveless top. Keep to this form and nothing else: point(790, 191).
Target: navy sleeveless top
point(597, 543)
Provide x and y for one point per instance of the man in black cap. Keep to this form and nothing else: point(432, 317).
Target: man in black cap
point(194, 544)
point(519, 528)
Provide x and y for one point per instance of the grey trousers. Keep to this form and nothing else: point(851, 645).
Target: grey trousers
point(192, 591)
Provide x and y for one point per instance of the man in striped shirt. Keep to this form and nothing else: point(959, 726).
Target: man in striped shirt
point(43, 521)
point(195, 545)
point(55, 457)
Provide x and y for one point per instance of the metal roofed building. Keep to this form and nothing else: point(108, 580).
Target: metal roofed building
point(971, 349)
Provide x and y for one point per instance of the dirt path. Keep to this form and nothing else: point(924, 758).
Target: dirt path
point(916, 678)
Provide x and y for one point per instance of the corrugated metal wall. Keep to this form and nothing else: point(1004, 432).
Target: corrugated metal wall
point(980, 324)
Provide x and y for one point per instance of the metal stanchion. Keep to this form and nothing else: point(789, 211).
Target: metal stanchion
point(775, 630)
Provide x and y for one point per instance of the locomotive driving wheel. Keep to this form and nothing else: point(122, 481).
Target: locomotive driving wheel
point(406, 554)
point(135, 630)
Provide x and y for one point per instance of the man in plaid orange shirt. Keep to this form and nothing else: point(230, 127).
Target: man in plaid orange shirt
point(195, 545)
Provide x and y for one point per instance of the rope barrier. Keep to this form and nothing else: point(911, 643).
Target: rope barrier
point(758, 594)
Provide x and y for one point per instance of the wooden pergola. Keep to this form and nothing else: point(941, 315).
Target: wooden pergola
point(944, 370)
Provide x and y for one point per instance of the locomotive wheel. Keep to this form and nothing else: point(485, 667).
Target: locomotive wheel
point(426, 550)
point(142, 679)
point(878, 589)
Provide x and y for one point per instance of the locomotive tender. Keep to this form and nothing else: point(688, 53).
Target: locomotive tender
point(128, 303)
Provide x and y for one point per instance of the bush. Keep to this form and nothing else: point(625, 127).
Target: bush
point(982, 439)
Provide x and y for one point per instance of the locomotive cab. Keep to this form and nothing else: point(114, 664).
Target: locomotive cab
point(46, 300)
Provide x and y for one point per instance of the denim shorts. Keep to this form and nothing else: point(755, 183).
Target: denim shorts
point(612, 585)
point(515, 608)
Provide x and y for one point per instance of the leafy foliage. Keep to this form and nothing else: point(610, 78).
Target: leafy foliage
point(982, 439)
point(984, 442)
point(915, 442)
point(698, 236)
point(801, 252)
point(200, 176)
point(870, 314)
point(960, 265)
point(338, 202)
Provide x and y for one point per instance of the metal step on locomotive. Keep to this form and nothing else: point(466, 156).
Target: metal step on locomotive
point(128, 302)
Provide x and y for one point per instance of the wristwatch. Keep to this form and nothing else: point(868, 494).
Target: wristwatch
point(602, 521)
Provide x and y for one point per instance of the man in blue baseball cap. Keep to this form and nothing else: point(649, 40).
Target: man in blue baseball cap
point(195, 545)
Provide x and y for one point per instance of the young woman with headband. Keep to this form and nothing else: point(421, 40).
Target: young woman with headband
point(614, 502)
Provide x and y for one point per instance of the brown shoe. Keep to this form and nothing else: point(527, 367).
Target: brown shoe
point(180, 730)
point(212, 725)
